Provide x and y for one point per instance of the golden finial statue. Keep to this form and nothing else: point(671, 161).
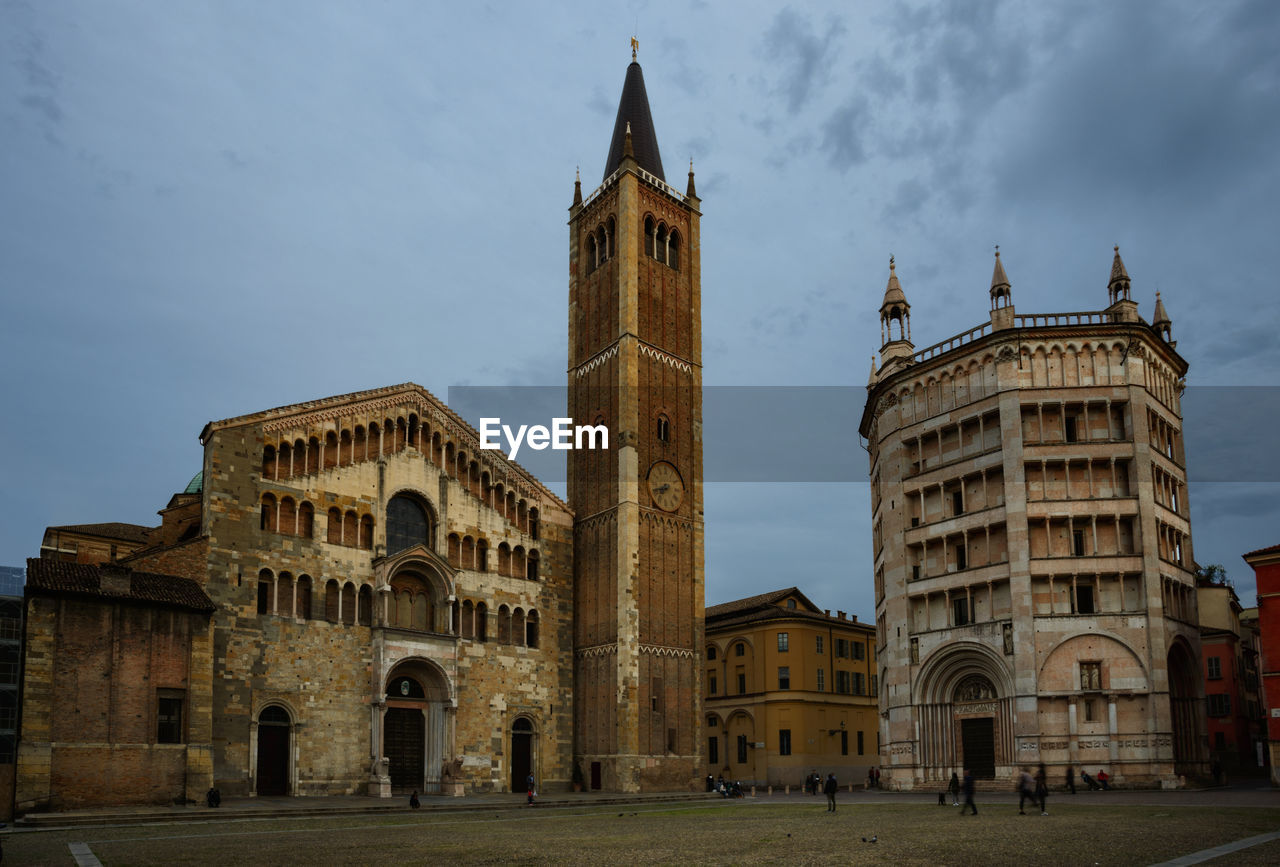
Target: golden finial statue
point(635, 44)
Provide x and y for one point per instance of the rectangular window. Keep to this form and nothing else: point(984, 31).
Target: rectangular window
point(859, 683)
point(962, 557)
point(1219, 705)
point(859, 743)
point(784, 677)
point(844, 742)
point(1071, 429)
point(843, 683)
point(783, 642)
point(859, 650)
point(742, 749)
point(784, 742)
point(915, 572)
point(842, 648)
point(957, 502)
point(1215, 668)
point(1084, 599)
point(711, 684)
point(742, 683)
point(819, 648)
point(822, 680)
point(1077, 542)
point(1088, 710)
point(875, 685)
point(169, 716)
point(960, 611)
point(713, 751)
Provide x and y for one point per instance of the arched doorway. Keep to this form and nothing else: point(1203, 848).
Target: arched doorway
point(974, 704)
point(1183, 709)
point(964, 713)
point(521, 753)
point(413, 727)
point(274, 729)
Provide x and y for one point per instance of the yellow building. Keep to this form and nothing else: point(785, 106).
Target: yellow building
point(789, 690)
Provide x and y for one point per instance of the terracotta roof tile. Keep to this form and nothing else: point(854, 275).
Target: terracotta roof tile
point(1274, 549)
point(85, 579)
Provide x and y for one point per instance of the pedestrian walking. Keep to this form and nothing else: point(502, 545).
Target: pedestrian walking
point(413, 800)
point(529, 783)
point(1071, 779)
point(830, 789)
point(1042, 789)
point(1026, 790)
point(877, 773)
point(967, 788)
point(954, 788)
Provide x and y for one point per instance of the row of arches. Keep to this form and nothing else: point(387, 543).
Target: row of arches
point(1072, 364)
point(286, 516)
point(662, 243)
point(466, 552)
point(350, 529)
point(414, 602)
point(287, 459)
point(513, 625)
point(949, 389)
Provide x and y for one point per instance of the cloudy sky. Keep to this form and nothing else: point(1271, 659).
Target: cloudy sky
point(208, 209)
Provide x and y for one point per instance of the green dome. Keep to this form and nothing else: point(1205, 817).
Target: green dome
point(196, 485)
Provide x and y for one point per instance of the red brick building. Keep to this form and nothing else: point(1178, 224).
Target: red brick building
point(1266, 568)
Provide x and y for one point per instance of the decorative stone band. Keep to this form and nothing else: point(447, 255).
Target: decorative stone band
point(601, 650)
point(597, 651)
point(652, 352)
point(660, 650)
point(596, 360)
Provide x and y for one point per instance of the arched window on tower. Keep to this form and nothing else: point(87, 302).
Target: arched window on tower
point(673, 251)
point(649, 230)
point(664, 429)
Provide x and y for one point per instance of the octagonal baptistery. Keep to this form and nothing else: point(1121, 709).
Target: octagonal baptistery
point(1035, 600)
point(393, 603)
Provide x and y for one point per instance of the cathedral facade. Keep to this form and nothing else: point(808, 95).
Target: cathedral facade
point(354, 597)
point(1034, 585)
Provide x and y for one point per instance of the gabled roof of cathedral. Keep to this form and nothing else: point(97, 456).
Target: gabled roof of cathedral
point(633, 109)
point(110, 530)
point(85, 579)
point(331, 406)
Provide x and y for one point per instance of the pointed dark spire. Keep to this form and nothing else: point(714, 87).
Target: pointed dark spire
point(577, 187)
point(691, 191)
point(633, 109)
point(1162, 315)
point(1118, 285)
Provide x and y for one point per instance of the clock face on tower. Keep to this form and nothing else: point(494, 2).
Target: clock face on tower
point(665, 486)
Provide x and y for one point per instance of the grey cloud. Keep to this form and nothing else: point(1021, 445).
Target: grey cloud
point(1143, 100)
point(801, 54)
point(842, 134)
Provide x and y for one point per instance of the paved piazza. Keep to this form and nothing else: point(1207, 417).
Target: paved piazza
point(1092, 828)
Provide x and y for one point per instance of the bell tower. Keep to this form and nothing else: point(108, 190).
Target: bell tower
point(635, 365)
